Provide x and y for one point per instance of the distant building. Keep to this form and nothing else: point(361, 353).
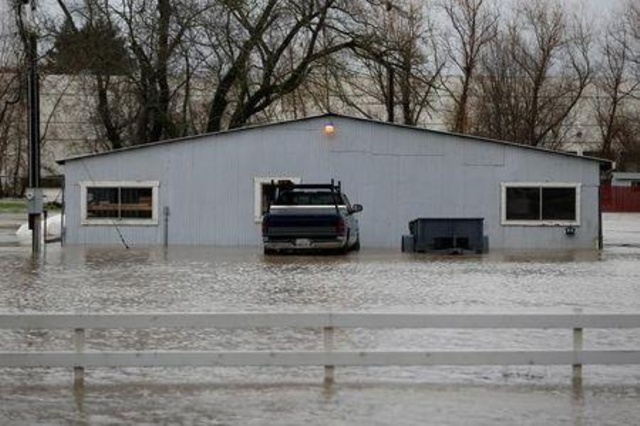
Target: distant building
point(625, 179)
point(212, 189)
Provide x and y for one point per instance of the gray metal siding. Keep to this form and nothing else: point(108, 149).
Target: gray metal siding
point(398, 174)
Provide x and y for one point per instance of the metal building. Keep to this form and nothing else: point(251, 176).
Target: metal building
point(212, 189)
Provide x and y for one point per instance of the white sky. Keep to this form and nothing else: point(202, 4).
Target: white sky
point(596, 10)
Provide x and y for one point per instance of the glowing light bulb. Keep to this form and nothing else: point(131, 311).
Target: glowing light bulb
point(329, 129)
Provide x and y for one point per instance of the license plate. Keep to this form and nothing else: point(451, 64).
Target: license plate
point(303, 242)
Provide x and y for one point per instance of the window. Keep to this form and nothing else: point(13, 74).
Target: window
point(541, 204)
point(264, 193)
point(128, 203)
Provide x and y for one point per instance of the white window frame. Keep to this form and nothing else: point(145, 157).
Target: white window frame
point(503, 203)
point(258, 183)
point(84, 220)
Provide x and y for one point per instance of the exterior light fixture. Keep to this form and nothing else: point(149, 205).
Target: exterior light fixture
point(329, 129)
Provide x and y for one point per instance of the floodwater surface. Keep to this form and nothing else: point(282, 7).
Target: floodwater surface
point(204, 279)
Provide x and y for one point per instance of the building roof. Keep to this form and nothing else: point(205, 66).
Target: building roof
point(626, 176)
point(329, 116)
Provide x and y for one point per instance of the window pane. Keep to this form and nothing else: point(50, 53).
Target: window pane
point(523, 203)
point(102, 202)
point(558, 203)
point(136, 203)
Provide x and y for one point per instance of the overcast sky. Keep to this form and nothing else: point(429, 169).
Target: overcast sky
point(597, 10)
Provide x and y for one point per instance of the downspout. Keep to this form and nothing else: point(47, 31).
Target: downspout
point(63, 225)
point(600, 237)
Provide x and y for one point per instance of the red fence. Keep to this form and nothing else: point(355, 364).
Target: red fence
point(620, 198)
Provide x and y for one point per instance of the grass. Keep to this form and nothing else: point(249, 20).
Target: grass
point(16, 205)
point(12, 205)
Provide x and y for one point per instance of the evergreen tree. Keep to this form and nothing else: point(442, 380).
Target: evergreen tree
point(97, 48)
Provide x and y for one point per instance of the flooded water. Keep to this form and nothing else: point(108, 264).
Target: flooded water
point(201, 279)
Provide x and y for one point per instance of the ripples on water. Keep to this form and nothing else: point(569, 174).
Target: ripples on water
point(188, 279)
point(199, 279)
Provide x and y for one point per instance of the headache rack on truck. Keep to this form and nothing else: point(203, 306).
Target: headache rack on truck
point(301, 194)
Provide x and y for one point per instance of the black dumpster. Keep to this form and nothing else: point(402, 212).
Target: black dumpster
point(445, 235)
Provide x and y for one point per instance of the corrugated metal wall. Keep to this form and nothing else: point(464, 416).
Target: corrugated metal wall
point(620, 199)
point(397, 173)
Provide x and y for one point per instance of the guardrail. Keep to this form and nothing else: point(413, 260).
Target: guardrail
point(329, 358)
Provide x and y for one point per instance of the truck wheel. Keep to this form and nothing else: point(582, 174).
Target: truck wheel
point(269, 251)
point(356, 246)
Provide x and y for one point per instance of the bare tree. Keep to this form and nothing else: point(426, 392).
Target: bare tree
point(419, 64)
point(136, 90)
point(13, 104)
point(395, 64)
point(12, 109)
point(632, 16)
point(246, 55)
point(618, 91)
point(533, 76)
point(475, 25)
point(614, 85)
point(156, 32)
point(207, 65)
point(264, 50)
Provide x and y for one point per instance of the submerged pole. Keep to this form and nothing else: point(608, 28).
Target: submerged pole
point(329, 370)
point(578, 342)
point(33, 193)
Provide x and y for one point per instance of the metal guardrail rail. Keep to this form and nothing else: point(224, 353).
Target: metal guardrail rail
point(80, 359)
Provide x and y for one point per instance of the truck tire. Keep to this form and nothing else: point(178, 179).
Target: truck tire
point(269, 251)
point(356, 246)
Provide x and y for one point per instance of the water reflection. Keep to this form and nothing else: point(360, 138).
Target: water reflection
point(578, 403)
point(79, 399)
point(289, 403)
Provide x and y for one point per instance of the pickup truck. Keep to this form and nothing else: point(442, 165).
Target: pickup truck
point(308, 217)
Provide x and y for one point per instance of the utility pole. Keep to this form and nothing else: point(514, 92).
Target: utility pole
point(391, 104)
point(33, 193)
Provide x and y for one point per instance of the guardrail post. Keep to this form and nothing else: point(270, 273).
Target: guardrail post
point(328, 347)
point(578, 340)
point(78, 370)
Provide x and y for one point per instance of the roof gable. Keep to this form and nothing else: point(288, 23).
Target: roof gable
point(330, 116)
